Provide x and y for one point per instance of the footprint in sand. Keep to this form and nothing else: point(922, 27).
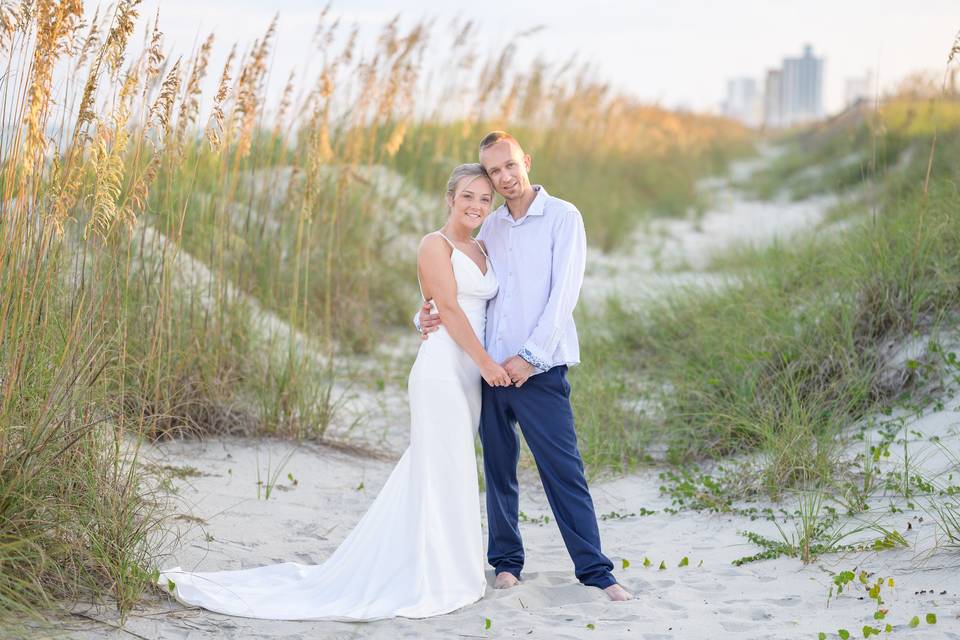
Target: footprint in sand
point(698, 584)
point(737, 626)
point(786, 601)
point(668, 605)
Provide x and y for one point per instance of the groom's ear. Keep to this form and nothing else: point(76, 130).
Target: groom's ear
point(527, 161)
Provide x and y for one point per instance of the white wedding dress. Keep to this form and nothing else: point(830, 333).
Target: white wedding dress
point(418, 550)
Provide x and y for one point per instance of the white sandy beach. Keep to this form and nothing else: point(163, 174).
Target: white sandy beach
point(304, 522)
point(320, 492)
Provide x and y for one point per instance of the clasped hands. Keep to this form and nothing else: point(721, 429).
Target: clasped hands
point(516, 367)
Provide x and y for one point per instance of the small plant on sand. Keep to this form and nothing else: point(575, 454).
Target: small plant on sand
point(816, 532)
point(875, 589)
point(266, 485)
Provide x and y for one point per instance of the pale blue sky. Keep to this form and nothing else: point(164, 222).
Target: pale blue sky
point(679, 53)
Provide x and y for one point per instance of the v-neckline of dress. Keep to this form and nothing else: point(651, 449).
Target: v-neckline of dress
point(474, 263)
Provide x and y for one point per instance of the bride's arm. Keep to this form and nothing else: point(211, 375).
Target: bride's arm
point(436, 276)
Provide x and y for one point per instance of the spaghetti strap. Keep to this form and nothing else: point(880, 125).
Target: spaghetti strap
point(481, 248)
point(439, 233)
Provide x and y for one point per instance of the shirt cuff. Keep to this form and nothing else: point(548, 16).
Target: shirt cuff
point(536, 361)
point(416, 321)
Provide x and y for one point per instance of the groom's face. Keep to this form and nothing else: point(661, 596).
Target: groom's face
point(508, 167)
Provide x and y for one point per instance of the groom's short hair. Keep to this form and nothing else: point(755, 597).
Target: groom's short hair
point(494, 137)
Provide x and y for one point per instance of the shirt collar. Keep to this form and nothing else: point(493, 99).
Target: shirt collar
point(536, 207)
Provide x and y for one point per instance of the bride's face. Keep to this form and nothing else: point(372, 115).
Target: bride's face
point(471, 202)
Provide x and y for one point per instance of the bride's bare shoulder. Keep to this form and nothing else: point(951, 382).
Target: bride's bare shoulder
point(433, 246)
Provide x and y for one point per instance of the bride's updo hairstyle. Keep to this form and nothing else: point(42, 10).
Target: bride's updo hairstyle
point(470, 170)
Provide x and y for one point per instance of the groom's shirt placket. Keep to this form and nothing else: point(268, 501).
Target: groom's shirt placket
point(539, 261)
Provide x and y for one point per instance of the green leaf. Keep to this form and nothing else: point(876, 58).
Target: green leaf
point(915, 622)
point(844, 634)
point(931, 618)
point(663, 565)
point(880, 614)
point(870, 631)
point(590, 626)
point(486, 623)
point(888, 628)
point(821, 636)
point(171, 585)
point(646, 562)
point(684, 561)
point(626, 563)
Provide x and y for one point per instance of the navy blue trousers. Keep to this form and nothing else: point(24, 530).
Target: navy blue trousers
point(542, 408)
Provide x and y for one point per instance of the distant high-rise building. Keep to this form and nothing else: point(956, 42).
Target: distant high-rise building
point(859, 88)
point(773, 99)
point(802, 87)
point(793, 94)
point(743, 101)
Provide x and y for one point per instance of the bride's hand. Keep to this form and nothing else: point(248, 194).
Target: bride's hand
point(495, 375)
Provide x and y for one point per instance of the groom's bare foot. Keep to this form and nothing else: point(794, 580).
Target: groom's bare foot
point(505, 580)
point(617, 593)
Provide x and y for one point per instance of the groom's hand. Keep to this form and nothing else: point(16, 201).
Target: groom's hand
point(518, 369)
point(429, 321)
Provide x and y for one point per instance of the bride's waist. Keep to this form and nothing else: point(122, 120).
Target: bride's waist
point(441, 335)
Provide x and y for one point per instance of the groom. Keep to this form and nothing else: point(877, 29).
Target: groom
point(537, 245)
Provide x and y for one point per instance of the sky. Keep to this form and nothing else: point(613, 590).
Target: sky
point(678, 54)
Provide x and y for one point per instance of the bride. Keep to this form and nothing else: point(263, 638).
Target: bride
point(418, 551)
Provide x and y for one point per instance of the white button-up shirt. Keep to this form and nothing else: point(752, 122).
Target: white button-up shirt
point(539, 261)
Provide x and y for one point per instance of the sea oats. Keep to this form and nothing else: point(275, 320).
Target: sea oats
point(346, 56)
point(9, 20)
point(162, 107)
point(216, 132)
point(115, 45)
point(91, 42)
point(190, 105)
point(54, 24)
point(248, 90)
point(108, 153)
point(25, 14)
point(323, 34)
point(463, 36)
point(136, 198)
point(64, 191)
point(154, 55)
